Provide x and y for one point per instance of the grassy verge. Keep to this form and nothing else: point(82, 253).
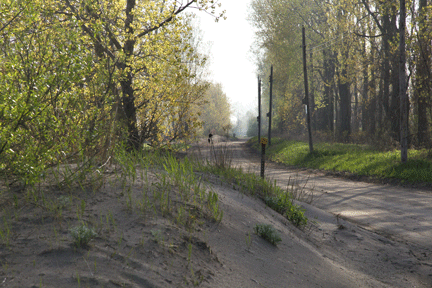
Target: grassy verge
point(352, 158)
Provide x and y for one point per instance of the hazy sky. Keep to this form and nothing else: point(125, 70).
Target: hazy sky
point(231, 60)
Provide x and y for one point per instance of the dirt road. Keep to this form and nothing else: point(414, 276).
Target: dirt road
point(380, 230)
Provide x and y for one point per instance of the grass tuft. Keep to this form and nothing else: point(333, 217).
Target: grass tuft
point(278, 199)
point(82, 235)
point(267, 232)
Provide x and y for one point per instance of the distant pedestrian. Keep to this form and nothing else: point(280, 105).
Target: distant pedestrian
point(210, 139)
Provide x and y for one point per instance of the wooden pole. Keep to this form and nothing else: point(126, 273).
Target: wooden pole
point(308, 109)
point(259, 110)
point(269, 115)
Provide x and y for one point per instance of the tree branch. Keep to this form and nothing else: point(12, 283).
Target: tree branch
point(10, 21)
point(373, 16)
point(89, 31)
point(367, 36)
point(167, 20)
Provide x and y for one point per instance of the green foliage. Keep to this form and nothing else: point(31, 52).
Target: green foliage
point(267, 232)
point(75, 85)
point(352, 64)
point(82, 235)
point(280, 203)
point(249, 183)
point(283, 204)
point(157, 235)
point(46, 106)
point(216, 113)
point(295, 214)
point(178, 191)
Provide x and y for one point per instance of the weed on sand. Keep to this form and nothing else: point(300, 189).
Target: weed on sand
point(268, 232)
point(135, 225)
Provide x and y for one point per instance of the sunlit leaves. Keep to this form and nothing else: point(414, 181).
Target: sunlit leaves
point(215, 114)
point(44, 102)
point(69, 67)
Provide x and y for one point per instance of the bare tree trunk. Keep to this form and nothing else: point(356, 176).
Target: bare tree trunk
point(422, 79)
point(312, 93)
point(129, 113)
point(355, 119)
point(345, 106)
point(402, 83)
point(327, 115)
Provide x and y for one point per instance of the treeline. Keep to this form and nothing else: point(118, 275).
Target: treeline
point(216, 113)
point(353, 66)
point(80, 77)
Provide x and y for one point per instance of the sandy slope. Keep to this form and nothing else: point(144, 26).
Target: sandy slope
point(293, 263)
point(136, 246)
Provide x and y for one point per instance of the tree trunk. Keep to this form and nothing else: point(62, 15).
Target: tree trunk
point(355, 119)
point(386, 68)
point(129, 112)
point(422, 78)
point(366, 121)
point(344, 106)
point(312, 94)
point(374, 113)
point(395, 100)
point(403, 85)
point(128, 97)
point(327, 113)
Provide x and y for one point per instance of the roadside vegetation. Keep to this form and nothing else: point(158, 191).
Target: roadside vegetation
point(87, 154)
point(140, 203)
point(219, 163)
point(144, 203)
point(267, 232)
point(357, 159)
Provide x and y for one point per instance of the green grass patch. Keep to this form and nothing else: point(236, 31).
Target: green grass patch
point(353, 158)
point(275, 197)
point(268, 232)
point(82, 235)
point(181, 174)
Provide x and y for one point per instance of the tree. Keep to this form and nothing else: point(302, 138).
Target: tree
point(134, 35)
point(216, 112)
point(355, 61)
point(75, 73)
point(46, 113)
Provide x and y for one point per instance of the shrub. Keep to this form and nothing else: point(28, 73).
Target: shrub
point(295, 214)
point(267, 232)
point(82, 235)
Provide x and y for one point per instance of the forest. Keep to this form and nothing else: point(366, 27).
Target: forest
point(82, 79)
point(353, 62)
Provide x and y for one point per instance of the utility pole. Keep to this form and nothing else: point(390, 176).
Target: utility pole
point(269, 114)
point(402, 84)
point(306, 100)
point(259, 110)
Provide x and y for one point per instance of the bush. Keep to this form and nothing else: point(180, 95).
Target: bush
point(269, 233)
point(82, 235)
point(295, 214)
